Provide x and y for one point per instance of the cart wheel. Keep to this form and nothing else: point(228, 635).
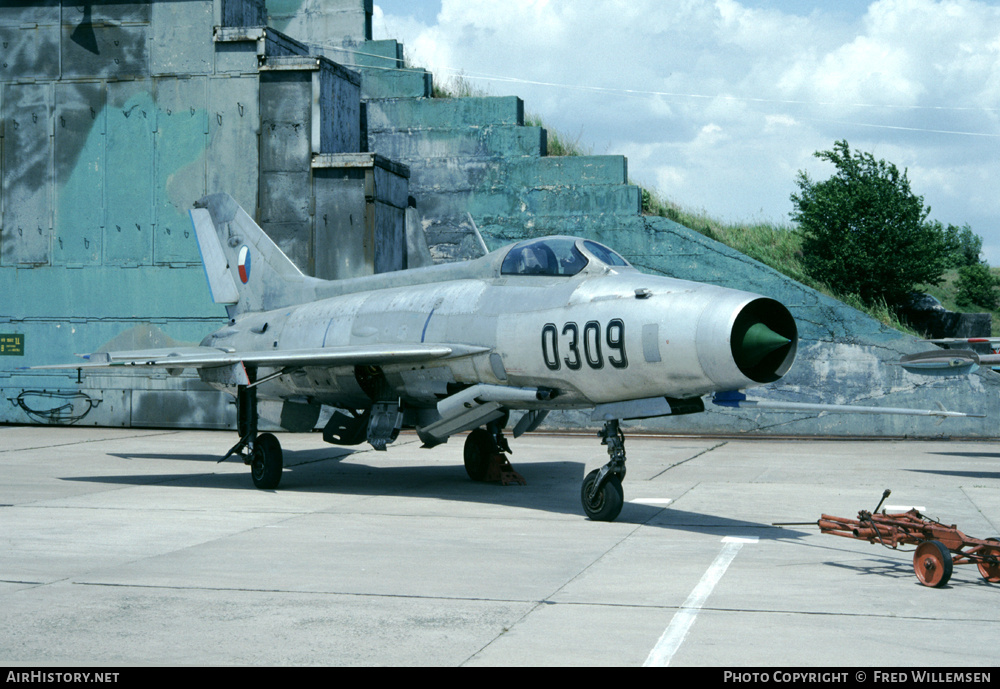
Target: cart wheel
point(932, 563)
point(991, 570)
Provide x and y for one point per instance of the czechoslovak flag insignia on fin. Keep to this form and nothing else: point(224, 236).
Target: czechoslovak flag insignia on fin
point(244, 264)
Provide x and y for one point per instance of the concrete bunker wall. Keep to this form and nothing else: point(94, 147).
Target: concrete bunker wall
point(114, 118)
point(112, 124)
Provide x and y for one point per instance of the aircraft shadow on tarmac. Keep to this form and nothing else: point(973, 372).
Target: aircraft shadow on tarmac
point(987, 475)
point(551, 487)
point(969, 455)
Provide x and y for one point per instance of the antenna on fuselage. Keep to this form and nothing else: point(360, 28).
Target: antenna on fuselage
point(479, 237)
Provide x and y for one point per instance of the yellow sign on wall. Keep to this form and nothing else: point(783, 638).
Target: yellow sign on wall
point(12, 345)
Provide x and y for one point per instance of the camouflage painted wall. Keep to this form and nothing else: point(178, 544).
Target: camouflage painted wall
point(114, 118)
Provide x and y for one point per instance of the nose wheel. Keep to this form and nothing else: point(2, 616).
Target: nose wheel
point(602, 494)
point(602, 501)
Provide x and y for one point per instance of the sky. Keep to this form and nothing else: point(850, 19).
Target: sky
point(718, 105)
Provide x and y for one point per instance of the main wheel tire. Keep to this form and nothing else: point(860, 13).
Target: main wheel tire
point(606, 505)
point(479, 447)
point(932, 563)
point(266, 462)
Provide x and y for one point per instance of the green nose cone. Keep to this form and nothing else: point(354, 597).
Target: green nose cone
point(758, 342)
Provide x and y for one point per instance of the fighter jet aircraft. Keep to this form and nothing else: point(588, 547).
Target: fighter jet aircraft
point(549, 323)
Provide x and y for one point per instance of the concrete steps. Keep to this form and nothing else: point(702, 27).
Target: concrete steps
point(475, 156)
point(413, 146)
point(383, 71)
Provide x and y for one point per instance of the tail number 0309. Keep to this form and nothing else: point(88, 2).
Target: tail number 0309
point(584, 345)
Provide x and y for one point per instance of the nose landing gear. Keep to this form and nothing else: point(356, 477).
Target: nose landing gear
point(602, 494)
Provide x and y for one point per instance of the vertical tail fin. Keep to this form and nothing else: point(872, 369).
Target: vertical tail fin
point(246, 271)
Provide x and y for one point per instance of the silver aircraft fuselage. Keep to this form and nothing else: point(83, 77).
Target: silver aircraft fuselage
point(606, 334)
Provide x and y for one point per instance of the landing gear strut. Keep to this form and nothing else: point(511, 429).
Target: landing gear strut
point(602, 494)
point(261, 452)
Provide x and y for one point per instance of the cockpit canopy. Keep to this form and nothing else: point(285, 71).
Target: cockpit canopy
point(556, 256)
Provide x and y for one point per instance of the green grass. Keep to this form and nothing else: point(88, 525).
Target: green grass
point(457, 87)
point(777, 246)
point(558, 144)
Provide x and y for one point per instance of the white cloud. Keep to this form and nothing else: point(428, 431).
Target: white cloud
point(724, 102)
point(775, 122)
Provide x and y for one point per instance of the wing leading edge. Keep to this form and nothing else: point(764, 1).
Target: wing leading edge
point(210, 357)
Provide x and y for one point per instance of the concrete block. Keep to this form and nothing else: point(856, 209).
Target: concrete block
point(105, 50)
point(23, 13)
point(379, 83)
point(564, 171)
point(236, 56)
point(28, 50)
point(382, 54)
point(320, 22)
point(79, 157)
point(286, 109)
point(411, 146)
point(444, 113)
point(232, 159)
point(181, 38)
point(278, 44)
point(243, 13)
point(180, 143)
point(361, 201)
point(131, 121)
point(294, 238)
point(27, 183)
point(339, 108)
point(521, 204)
point(496, 173)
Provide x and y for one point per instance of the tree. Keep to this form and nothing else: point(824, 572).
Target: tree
point(968, 245)
point(977, 287)
point(864, 232)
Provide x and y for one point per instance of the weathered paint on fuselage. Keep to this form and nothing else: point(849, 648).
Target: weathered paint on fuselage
point(606, 334)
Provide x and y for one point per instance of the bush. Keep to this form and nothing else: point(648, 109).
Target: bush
point(977, 287)
point(864, 232)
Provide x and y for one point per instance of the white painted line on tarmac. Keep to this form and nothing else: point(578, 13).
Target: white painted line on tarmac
point(651, 501)
point(903, 508)
point(673, 636)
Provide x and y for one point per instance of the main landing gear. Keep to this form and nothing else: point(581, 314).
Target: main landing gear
point(485, 454)
point(602, 494)
point(261, 452)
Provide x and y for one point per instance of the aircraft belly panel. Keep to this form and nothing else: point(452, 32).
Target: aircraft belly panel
point(337, 387)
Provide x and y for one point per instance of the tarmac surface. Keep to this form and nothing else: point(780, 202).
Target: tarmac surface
point(134, 547)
